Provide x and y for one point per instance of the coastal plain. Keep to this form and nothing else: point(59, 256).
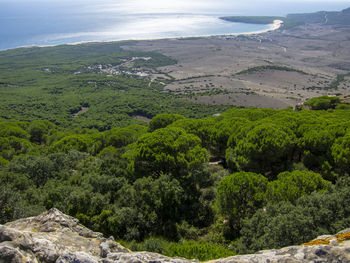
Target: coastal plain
point(275, 69)
point(115, 84)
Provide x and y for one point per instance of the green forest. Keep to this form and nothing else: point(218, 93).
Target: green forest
point(55, 83)
point(282, 178)
point(196, 181)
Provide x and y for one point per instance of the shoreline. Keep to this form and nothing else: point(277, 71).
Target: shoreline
point(272, 27)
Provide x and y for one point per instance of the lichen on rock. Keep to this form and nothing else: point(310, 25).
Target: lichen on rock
point(336, 239)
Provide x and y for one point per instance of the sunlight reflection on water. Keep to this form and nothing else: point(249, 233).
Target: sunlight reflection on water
point(52, 22)
point(161, 26)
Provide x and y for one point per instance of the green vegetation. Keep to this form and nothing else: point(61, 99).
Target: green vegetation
point(55, 83)
point(202, 251)
point(284, 179)
point(336, 83)
point(69, 139)
point(269, 67)
point(323, 103)
point(290, 186)
point(333, 85)
point(239, 196)
point(321, 212)
point(163, 120)
point(266, 148)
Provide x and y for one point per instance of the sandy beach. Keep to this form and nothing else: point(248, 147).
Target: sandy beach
point(274, 26)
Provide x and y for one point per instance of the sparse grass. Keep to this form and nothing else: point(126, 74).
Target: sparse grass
point(334, 85)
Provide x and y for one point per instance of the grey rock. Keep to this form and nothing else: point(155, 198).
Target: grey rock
point(143, 257)
point(54, 237)
point(295, 254)
point(110, 246)
point(11, 254)
point(78, 257)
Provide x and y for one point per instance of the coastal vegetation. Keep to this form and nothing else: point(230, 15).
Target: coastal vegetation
point(112, 85)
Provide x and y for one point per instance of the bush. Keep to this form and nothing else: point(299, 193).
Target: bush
point(152, 244)
point(198, 250)
point(266, 148)
point(323, 103)
point(239, 196)
point(163, 120)
point(187, 249)
point(292, 185)
point(285, 224)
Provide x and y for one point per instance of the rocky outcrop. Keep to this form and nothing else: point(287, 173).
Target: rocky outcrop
point(54, 237)
point(58, 238)
point(297, 254)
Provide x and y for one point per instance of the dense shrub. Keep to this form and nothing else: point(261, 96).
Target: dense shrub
point(283, 224)
point(134, 184)
point(323, 103)
point(188, 249)
point(239, 196)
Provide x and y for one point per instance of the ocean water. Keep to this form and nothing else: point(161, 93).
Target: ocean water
point(53, 22)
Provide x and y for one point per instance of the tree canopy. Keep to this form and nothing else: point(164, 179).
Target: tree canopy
point(282, 177)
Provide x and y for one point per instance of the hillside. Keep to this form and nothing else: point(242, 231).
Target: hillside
point(341, 18)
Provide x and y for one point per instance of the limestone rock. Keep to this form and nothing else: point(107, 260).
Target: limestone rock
point(295, 254)
point(326, 248)
point(54, 237)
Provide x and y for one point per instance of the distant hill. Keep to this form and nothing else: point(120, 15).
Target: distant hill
point(292, 20)
point(323, 17)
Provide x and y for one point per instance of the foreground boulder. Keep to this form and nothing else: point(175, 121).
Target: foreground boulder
point(56, 237)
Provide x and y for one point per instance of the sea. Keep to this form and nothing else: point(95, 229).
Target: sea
point(53, 22)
